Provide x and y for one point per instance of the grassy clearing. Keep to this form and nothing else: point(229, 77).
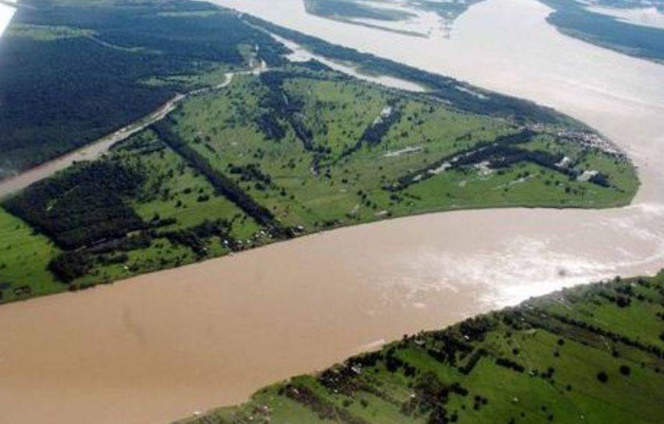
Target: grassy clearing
point(332, 178)
point(173, 190)
point(588, 354)
point(47, 33)
point(24, 257)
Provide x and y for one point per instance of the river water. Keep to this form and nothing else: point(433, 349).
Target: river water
point(163, 345)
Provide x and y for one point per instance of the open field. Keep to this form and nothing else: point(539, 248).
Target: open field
point(24, 257)
point(588, 354)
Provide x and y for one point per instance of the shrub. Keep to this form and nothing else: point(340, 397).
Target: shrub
point(602, 377)
point(625, 370)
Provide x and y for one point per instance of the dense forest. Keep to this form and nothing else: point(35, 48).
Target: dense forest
point(91, 69)
point(81, 207)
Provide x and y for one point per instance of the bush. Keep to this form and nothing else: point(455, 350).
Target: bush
point(602, 377)
point(70, 265)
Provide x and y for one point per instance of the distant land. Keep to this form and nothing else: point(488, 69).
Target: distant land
point(587, 354)
point(258, 150)
point(572, 17)
point(386, 15)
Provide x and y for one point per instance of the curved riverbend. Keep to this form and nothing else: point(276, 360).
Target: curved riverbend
point(161, 346)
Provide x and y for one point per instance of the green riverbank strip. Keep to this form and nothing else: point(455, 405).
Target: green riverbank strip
point(591, 354)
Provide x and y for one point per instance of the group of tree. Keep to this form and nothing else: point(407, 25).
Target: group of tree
point(85, 85)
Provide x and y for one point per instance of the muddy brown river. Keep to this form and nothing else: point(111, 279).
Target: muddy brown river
point(161, 346)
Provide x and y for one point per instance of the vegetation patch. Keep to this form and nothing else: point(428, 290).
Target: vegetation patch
point(215, 177)
point(83, 206)
point(24, 257)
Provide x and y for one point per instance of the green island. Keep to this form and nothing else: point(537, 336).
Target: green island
point(369, 14)
point(588, 354)
point(273, 151)
point(349, 9)
point(572, 18)
point(377, 13)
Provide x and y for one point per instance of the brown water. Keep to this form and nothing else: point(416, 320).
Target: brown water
point(161, 346)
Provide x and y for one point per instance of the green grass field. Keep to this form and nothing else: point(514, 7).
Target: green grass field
point(350, 188)
point(293, 151)
point(173, 192)
point(589, 354)
point(24, 257)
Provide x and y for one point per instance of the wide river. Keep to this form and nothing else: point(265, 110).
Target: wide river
point(163, 345)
